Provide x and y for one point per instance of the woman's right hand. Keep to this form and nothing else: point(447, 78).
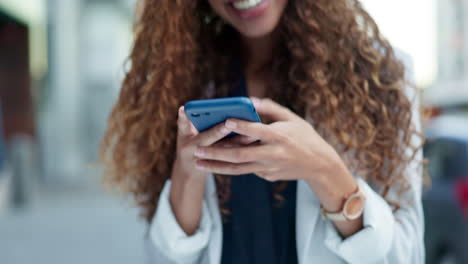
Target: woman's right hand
point(188, 140)
point(187, 181)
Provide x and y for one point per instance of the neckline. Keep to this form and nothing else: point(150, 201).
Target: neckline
point(239, 85)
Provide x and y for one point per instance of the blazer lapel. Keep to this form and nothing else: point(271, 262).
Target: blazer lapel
point(307, 213)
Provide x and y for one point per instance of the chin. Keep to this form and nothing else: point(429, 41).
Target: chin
point(255, 31)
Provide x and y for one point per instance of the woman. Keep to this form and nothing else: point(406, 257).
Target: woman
point(342, 138)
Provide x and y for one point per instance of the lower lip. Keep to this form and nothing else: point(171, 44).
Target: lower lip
point(253, 12)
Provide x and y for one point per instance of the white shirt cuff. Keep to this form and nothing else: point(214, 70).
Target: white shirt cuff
point(376, 235)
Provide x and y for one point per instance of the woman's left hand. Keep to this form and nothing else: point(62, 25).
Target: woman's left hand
point(288, 149)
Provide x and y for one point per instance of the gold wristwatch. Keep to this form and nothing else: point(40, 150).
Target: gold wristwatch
point(353, 208)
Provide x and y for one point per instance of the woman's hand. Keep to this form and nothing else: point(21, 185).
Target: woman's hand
point(187, 181)
point(289, 149)
point(188, 140)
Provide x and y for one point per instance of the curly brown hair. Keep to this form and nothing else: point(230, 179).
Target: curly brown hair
point(337, 67)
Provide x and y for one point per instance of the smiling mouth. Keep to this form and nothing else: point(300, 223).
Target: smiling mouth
point(244, 5)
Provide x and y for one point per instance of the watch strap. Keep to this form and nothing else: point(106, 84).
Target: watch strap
point(338, 217)
point(341, 215)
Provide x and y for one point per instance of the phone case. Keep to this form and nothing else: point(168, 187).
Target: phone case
point(205, 114)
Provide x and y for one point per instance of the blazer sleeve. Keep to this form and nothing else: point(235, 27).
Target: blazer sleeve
point(388, 237)
point(167, 243)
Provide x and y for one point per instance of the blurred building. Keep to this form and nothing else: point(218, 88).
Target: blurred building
point(453, 39)
point(88, 42)
point(74, 52)
point(451, 87)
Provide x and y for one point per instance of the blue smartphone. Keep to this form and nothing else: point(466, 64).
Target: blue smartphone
point(205, 114)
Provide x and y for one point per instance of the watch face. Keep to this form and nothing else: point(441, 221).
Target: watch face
point(354, 207)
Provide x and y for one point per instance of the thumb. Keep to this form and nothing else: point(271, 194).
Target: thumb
point(184, 125)
point(272, 110)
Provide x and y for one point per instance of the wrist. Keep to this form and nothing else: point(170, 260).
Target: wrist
point(185, 183)
point(186, 197)
point(333, 186)
point(186, 176)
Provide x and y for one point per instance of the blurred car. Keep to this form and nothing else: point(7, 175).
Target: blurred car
point(446, 201)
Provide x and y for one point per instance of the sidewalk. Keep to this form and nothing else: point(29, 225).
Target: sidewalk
point(71, 227)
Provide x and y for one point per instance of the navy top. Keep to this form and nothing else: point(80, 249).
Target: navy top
point(259, 228)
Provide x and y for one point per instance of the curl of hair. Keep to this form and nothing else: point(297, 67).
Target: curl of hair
point(337, 68)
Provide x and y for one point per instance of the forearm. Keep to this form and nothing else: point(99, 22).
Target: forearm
point(186, 197)
point(332, 188)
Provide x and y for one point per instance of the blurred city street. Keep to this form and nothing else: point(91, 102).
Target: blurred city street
point(66, 225)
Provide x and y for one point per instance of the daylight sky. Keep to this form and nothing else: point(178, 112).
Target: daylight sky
point(411, 26)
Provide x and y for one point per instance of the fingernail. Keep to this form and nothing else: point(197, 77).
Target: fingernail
point(199, 153)
point(231, 124)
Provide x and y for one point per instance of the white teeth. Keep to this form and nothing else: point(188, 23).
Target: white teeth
point(246, 4)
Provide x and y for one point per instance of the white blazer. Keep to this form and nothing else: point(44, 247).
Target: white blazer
point(386, 237)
